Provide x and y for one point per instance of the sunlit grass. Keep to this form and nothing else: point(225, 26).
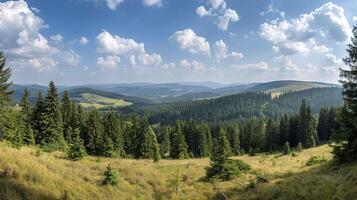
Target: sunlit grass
point(50, 175)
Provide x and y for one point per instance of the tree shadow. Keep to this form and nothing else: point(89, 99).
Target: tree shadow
point(10, 189)
point(326, 181)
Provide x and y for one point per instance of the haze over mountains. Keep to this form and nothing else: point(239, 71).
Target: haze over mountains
point(148, 93)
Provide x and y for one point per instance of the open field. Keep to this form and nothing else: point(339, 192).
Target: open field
point(39, 175)
point(95, 101)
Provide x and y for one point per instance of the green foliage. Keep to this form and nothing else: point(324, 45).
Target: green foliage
point(346, 138)
point(299, 147)
point(178, 143)
point(286, 148)
point(221, 166)
point(110, 177)
point(76, 150)
point(165, 143)
point(307, 126)
point(314, 160)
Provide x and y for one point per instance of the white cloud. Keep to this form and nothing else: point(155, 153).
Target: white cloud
point(109, 44)
point(57, 38)
point(217, 3)
point(194, 65)
point(228, 17)
point(188, 40)
point(221, 51)
point(83, 40)
point(201, 11)
point(261, 66)
point(113, 4)
point(115, 45)
point(169, 66)
point(354, 18)
point(108, 62)
point(22, 41)
point(157, 3)
point(293, 36)
point(286, 64)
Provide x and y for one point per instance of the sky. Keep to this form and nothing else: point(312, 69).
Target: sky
point(75, 42)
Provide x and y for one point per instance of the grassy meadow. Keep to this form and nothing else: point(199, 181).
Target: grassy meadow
point(39, 175)
point(96, 101)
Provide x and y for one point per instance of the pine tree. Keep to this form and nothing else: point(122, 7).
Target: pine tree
point(149, 146)
point(307, 129)
point(323, 125)
point(93, 135)
point(233, 135)
point(293, 130)
point(5, 92)
point(345, 138)
point(38, 119)
point(110, 177)
point(53, 134)
point(67, 112)
point(105, 147)
point(284, 130)
point(165, 143)
point(28, 136)
point(178, 143)
point(203, 141)
point(272, 135)
point(76, 149)
point(113, 129)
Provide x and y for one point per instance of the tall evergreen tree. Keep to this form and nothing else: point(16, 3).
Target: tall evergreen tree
point(203, 141)
point(28, 136)
point(93, 135)
point(293, 130)
point(178, 143)
point(113, 129)
point(67, 112)
point(272, 136)
point(5, 92)
point(233, 135)
point(323, 125)
point(284, 130)
point(76, 149)
point(53, 134)
point(346, 137)
point(165, 145)
point(307, 130)
point(38, 118)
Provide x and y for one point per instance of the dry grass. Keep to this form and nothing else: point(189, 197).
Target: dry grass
point(50, 176)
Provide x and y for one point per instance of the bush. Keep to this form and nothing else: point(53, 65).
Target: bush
point(314, 160)
point(230, 169)
point(299, 147)
point(293, 154)
point(286, 148)
point(110, 177)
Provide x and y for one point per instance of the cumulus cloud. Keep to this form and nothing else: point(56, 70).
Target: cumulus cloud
point(217, 3)
point(57, 38)
point(354, 18)
point(201, 11)
point(188, 40)
point(108, 62)
point(221, 52)
point(286, 64)
point(218, 8)
point(228, 17)
point(261, 66)
point(331, 64)
point(23, 42)
point(83, 41)
point(193, 65)
point(115, 45)
point(157, 3)
point(292, 36)
point(113, 4)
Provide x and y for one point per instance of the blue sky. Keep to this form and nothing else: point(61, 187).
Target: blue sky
point(114, 41)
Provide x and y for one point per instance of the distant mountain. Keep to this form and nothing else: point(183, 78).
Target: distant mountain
point(33, 90)
point(174, 92)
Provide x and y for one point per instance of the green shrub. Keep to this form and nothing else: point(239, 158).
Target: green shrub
point(293, 154)
point(299, 147)
point(229, 170)
point(110, 177)
point(286, 148)
point(314, 160)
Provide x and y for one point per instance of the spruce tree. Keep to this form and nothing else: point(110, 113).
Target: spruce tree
point(345, 138)
point(293, 130)
point(307, 126)
point(38, 119)
point(76, 150)
point(105, 147)
point(165, 143)
point(110, 177)
point(178, 143)
point(53, 134)
point(233, 135)
point(67, 112)
point(93, 134)
point(28, 136)
point(113, 129)
point(284, 130)
point(203, 143)
point(323, 125)
point(272, 135)
point(5, 92)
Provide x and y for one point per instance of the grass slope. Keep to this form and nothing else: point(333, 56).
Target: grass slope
point(50, 176)
point(90, 100)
